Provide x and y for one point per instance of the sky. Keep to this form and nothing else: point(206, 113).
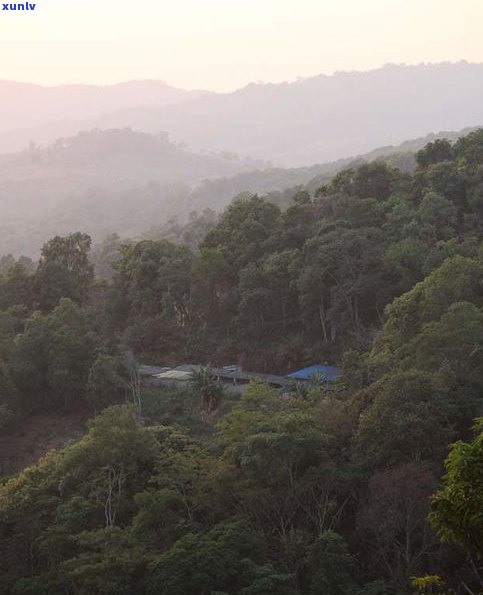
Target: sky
point(222, 45)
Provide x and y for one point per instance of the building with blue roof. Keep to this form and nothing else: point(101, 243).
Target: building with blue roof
point(326, 373)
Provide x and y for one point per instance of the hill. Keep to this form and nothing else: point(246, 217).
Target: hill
point(125, 182)
point(41, 187)
point(42, 114)
point(312, 120)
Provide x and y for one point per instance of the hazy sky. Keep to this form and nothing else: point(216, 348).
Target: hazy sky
point(224, 44)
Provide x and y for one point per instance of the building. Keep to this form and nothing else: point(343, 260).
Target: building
point(232, 377)
point(235, 380)
point(320, 372)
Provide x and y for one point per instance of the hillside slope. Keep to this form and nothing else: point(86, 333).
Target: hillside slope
point(120, 181)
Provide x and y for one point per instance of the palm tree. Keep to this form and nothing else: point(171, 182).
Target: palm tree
point(208, 388)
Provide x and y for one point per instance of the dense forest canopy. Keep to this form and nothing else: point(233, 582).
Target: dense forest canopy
point(322, 492)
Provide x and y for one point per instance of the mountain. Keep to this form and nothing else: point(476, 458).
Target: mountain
point(32, 113)
point(325, 117)
point(126, 182)
point(312, 120)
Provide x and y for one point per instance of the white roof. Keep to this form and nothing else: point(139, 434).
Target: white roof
point(174, 375)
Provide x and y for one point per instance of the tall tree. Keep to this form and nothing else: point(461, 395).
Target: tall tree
point(64, 270)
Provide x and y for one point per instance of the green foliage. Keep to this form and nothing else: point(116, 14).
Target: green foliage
point(469, 148)
point(434, 152)
point(222, 559)
point(151, 304)
point(339, 285)
point(370, 180)
point(406, 420)
point(171, 406)
point(332, 566)
point(457, 279)
point(431, 583)
point(110, 563)
point(437, 215)
point(313, 491)
point(243, 229)
point(457, 509)
point(64, 270)
point(17, 288)
point(208, 388)
point(53, 356)
point(106, 385)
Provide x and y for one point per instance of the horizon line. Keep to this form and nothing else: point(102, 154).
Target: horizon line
point(298, 79)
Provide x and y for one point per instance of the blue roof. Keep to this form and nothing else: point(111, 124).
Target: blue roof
point(329, 373)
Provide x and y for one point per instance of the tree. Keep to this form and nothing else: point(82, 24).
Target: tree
point(406, 420)
point(289, 485)
point(268, 305)
point(209, 389)
point(392, 522)
point(106, 385)
point(357, 212)
point(297, 222)
point(457, 509)
point(341, 284)
point(110, 563)
point(218, 560)
point(65, 517)
point(64, 270)
point(438, 217)
point(114, 461)
point(244, 229)
point(450, 181)
point(53, 356)
point(370, 180)
point(450, 348)
point(456, 280)
point(332, 566)
point(469, 148)
point(190, 480)
point(434, 152)
point(17, 288)
point(152, 295)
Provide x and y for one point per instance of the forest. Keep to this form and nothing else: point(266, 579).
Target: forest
point(125, 182)
point(373, 488)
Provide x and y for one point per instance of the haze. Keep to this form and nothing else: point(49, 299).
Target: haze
point(224, 44)
point(93, 139)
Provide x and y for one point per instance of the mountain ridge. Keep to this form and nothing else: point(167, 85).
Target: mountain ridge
point(311, 120)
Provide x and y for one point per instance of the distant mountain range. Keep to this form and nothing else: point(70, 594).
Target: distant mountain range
point(24, 105)
point(309, 121)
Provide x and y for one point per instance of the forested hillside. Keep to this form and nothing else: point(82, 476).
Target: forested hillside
point(130, 183)
point(104, 181)
point(319, 492)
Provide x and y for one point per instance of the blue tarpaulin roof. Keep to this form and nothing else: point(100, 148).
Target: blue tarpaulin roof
point(329, 373)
